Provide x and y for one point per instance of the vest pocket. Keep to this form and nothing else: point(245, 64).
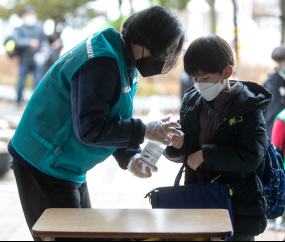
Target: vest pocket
point(57, 151)
point(80, 158)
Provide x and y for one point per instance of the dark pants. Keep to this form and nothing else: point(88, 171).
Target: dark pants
point(23, 72)
point(37, 195)
point(245, 238)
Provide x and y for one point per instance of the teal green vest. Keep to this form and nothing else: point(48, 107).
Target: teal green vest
point(45, 136)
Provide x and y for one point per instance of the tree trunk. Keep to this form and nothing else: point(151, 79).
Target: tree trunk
point(132, 9)
point(236, 28)
point(282, 3)
point(121, 14)
point(120, 6)
point(213, 16)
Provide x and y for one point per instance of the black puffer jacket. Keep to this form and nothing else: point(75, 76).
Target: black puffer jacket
point(235, 157)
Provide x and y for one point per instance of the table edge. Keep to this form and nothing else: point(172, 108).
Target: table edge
point(117, 235)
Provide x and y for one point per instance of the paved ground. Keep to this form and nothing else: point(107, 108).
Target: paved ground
point(109, 187)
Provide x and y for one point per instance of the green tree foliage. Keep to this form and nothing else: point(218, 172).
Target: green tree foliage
point(76, 12)
point(172, 4)
point(60, 11)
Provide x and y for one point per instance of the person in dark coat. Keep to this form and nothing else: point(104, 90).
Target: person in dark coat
point(52, 52)
point(186, 83)
point(29, 38)
point(276, 85)
point(209, 114)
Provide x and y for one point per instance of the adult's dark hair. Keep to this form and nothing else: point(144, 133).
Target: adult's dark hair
point(28, 8)
point(278, 53)
point(158, 30)
point(210, 54)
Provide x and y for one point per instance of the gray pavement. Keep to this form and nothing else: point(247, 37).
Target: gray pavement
point(109, 187)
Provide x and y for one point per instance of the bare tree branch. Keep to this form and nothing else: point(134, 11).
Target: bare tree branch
point(236, 28)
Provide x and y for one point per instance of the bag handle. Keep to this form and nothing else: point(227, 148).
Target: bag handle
point(179, 176)
point(200, 177)
point(199, 174)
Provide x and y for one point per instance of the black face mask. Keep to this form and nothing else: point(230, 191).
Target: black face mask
point(150, 66)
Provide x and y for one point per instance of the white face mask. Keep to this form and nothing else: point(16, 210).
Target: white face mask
point(30, 21)
point(209, 91)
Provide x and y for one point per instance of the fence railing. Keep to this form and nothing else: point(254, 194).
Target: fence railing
point(9, 93)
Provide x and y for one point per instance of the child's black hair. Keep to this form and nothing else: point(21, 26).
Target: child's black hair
point(159, 30)
point(278, 53)
point(210, 54)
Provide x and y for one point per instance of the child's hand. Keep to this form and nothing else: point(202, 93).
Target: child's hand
point(195, 160)
point(177, 142)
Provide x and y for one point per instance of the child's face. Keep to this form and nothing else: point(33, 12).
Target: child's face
point(208, 78)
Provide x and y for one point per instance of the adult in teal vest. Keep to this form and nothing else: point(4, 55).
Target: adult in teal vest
point(81, 113)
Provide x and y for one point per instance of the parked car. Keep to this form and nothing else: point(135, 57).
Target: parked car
point(8, 125)
point(5, 159)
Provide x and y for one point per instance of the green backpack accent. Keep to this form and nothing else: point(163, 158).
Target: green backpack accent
point(280, 116)
point(45, 136)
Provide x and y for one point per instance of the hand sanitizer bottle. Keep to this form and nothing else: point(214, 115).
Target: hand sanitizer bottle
point(152, 153)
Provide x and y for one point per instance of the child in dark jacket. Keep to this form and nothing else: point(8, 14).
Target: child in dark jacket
point(210, 114)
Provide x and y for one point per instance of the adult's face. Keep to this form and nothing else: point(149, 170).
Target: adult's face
point(151, 65)
point(29, 18)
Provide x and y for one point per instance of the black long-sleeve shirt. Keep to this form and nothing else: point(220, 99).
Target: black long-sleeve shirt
point(95, 89)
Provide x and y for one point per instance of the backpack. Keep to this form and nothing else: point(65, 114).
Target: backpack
point(11, 47)
point(273, 179)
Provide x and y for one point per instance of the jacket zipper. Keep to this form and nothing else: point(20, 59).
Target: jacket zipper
point(222, 123)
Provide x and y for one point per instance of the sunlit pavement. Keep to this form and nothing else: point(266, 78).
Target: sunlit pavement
point(109, 187)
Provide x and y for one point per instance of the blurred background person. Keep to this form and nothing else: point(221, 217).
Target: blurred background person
point(278, 133)
point(52, 52)
point(276, 85)
point(186, 83)
point(29, 38)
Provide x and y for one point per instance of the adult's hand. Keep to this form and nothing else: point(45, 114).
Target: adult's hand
point(34, 44)
point(140, 169)
point(162, 130)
